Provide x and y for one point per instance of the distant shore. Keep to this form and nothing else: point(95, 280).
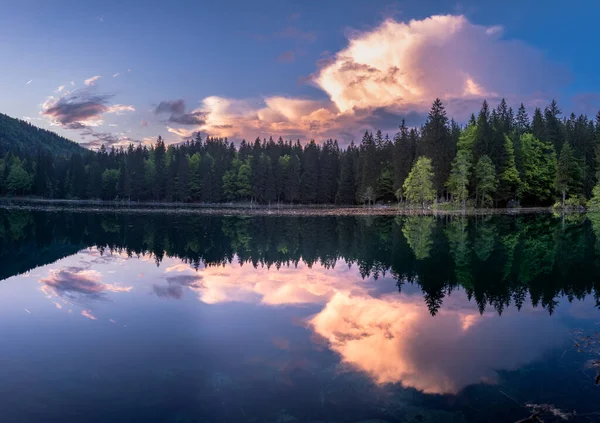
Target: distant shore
point(16, 203)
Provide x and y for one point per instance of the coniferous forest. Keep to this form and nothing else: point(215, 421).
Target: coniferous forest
point(500, 158)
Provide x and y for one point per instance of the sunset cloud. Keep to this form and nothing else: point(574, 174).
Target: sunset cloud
point(389, 72)
point(74, 282)
point(80, 108)
point(175, 109)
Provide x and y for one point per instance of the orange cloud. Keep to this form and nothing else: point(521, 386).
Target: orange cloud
point(392, 337)
point(391, 71)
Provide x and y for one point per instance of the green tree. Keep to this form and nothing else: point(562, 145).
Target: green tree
point(510, 181)
point(244, 179)
point(385, 184)
point(486, 181)
point(459, 177)
point(568, 173)
point(418, 187)
point(110, 180)
point(436, 143)
point(18, 180)
point(539, 169)
point(417, 231)
point(195, 180)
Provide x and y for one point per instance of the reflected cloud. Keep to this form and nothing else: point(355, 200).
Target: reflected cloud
point(174, 289)
point(73, 282)
point(390, 337)
point(88, 314)
point(394, 339)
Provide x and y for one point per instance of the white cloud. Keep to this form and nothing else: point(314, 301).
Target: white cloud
point(115, 75)
point(60, 88)
point(120, 108)
point(92, 80)
point(393, 70)
point(29, 82)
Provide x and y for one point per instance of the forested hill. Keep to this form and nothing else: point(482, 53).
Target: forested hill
point(24, 139)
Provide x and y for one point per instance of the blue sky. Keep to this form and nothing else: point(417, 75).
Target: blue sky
point(296, 69)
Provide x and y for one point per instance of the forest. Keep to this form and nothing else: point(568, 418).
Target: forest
point(500, 158)
point(500, 261)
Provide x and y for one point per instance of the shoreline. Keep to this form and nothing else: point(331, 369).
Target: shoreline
point(242, 209)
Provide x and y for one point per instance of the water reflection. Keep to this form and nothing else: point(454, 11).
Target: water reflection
point(308, 307)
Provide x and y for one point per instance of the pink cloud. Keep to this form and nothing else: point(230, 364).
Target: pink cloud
point(391, 71)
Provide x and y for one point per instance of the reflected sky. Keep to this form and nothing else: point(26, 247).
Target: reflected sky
point(170, 318)
point(388, 336)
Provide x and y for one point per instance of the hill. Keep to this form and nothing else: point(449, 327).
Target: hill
point(24, 139)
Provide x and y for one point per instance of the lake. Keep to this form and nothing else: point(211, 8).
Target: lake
point(116, 317)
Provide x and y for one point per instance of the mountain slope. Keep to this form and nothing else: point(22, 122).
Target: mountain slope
point(22, 138)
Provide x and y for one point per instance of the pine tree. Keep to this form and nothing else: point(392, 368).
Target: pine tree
point(539, 164)
point(436, 143)
point(568, 173)
point(403, 155)
point(486, 181)
point(459, 177)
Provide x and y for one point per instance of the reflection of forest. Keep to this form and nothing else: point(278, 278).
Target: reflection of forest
point(498, 260)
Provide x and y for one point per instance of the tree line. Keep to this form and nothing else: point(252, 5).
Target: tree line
point(498, 261)
point(500, 158)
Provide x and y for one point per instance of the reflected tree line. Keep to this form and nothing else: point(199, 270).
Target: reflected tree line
point(498, 260)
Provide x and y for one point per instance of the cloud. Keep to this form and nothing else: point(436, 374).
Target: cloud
point(287, 57)
point(176, 111)
point(115, 75)
point(77, 282)
point(88, 314)
point(60, 88)
point(120, 108)
point(108, 139)
point(73, 83)
point(174, 289)
point(393, 339)
point(100, 18)
point(394, 69)
point(92, 80)
point(29, 82)
point(80, 108)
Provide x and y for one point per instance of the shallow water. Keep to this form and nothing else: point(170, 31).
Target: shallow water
point(166, 318)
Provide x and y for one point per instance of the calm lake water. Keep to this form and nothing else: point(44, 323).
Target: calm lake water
point(111, 317)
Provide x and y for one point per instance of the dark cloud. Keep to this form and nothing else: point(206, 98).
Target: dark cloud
point(352, 66)
point(386, 119)
point(287, 57)
point(194, 281)
point(174, 289)
point(72, 282)
point(176, 111)
point(76, 108)
point(108, 139)
point(176, 107)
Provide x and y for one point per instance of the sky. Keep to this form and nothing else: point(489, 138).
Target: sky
point(117, 72)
